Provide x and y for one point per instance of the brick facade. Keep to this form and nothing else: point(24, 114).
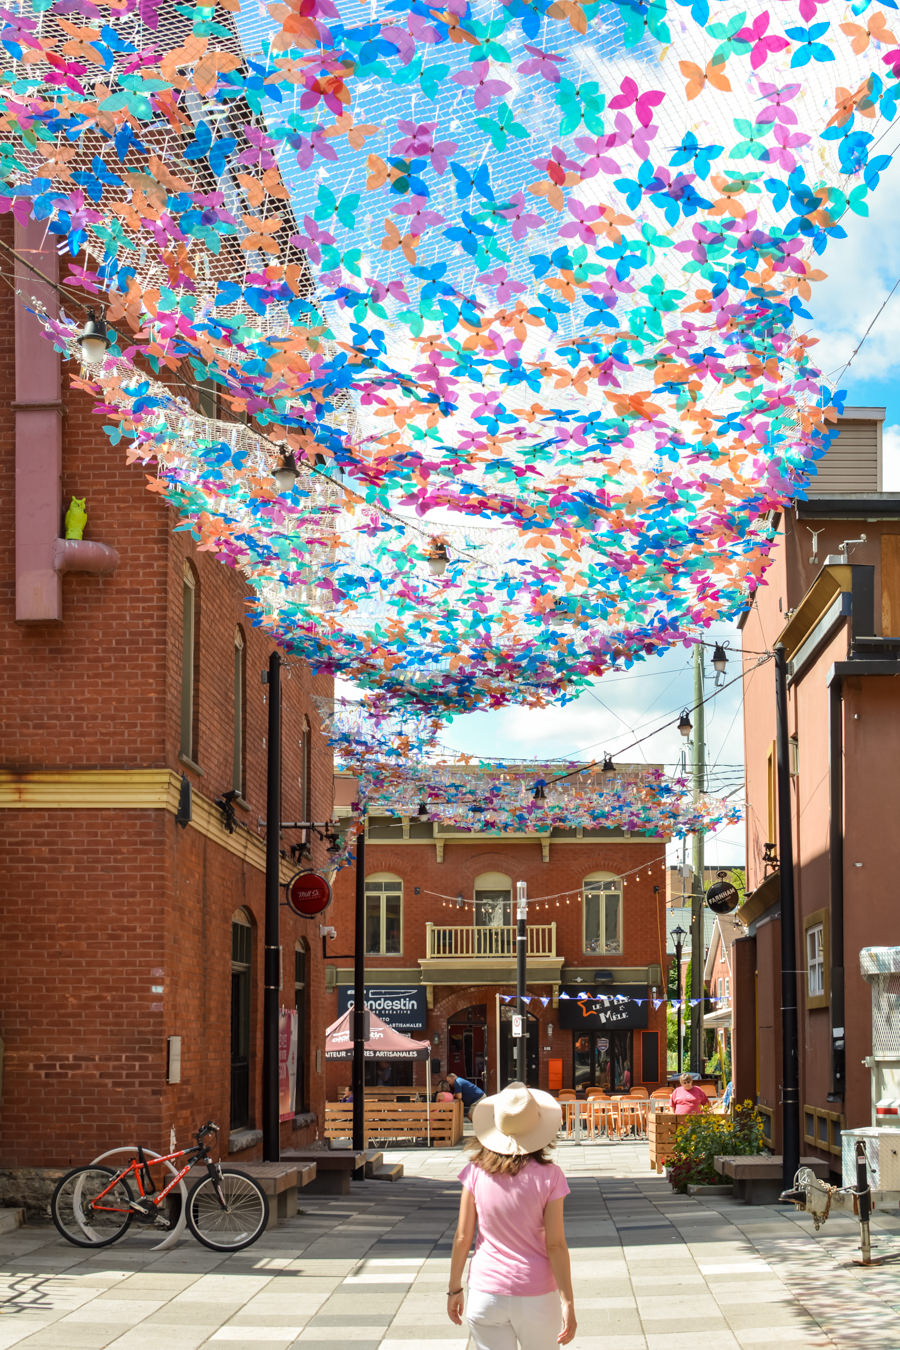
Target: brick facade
point(116, 922)
point(430, 888)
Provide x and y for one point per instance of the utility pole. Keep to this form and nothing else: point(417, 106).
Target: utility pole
point(698, 948)
point(272, 959)
point(790, 1065)
point(521, 958)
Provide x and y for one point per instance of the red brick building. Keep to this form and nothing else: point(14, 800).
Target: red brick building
point(440, 949)
point(132, 922)
point(833, 599)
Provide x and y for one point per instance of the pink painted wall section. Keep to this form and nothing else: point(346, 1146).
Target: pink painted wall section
point(38, 410)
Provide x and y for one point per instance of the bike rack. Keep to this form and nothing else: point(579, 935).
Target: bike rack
point(171, 1239)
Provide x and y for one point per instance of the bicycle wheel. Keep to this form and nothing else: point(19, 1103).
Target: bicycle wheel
point(229, 1221)
point(87, 1210)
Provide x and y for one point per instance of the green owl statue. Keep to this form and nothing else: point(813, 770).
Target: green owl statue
point(76, 518)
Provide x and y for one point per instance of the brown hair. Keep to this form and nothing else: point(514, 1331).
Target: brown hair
point(504, 1164)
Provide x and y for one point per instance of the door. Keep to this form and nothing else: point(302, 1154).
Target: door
point(466, 1055)
point(508, 1073)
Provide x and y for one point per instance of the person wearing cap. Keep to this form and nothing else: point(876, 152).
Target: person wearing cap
point(520, 1280)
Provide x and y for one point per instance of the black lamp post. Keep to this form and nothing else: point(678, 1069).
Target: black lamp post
point(679, 934)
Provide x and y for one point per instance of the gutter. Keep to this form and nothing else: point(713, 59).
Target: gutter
point(836, 879)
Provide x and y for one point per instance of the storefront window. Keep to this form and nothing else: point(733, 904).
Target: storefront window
point(600, 1059)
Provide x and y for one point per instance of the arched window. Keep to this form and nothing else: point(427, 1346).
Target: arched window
point(602, 911)
point(493, 900)
point(241, 966)
point(237, 725)
point(384, 915)
point(301, 1003)
point(189, 606)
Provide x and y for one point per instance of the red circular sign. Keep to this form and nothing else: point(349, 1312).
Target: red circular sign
point(308, 894)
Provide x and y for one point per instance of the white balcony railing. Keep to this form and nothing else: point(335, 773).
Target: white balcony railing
point(469, 943)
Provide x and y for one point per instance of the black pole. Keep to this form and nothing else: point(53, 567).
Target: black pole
point(272, 961)
point(521, 976)
point(359, 995)
point(679, 947)
point(790, 1067)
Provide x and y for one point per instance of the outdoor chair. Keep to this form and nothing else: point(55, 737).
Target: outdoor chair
point(603, 1117)
point(632, 1116)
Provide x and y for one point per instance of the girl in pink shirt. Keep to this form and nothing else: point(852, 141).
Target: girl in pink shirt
point(519, 1279)
point(687, 1100)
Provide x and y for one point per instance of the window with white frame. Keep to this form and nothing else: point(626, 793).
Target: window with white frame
point(727, 989)
point(384, 915)
point(719, 985)
point(815, 960)
point(602, 909)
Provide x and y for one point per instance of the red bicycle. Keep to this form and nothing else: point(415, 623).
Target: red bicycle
point(226, 1210)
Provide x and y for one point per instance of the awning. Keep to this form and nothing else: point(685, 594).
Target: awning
point(383, 1043)
point(720, 1020)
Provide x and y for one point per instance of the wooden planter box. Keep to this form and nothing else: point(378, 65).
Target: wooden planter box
point(661, 1128)
point(386, 1120)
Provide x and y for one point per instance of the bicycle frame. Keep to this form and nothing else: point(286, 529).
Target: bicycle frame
point(137, 1165)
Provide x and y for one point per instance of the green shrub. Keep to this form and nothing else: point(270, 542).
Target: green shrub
point(700, 1139)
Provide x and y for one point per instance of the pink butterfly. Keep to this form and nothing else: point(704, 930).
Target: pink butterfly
point(763, 45)
point(644, 103)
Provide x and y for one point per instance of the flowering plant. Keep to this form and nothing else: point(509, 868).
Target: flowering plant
point(702, 1138)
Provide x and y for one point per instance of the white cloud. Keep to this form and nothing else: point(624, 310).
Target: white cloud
point(862, 269)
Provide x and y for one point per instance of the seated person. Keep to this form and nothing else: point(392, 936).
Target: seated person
point(345, 1094)
point(443, 1093)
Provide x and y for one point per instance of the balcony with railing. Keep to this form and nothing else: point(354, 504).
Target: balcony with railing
point(470, 942)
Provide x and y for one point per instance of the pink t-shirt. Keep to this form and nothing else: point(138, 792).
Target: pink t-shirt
point(688, 1101)
point(510, 1244)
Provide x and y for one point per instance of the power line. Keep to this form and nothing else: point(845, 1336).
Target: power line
point(672, 722)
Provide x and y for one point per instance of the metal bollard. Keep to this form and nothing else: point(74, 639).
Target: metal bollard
point(864, 1202)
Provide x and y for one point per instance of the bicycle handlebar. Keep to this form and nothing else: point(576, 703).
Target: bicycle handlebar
point(209, 1128)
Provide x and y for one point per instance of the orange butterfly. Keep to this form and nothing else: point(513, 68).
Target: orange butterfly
point(571, 12)
point(405, 242)
point(876, 31)
point(697, 78)
point(256, 190)
point(356, 133)
point(261, 239)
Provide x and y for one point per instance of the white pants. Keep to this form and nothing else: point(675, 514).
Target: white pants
point(505, 1321)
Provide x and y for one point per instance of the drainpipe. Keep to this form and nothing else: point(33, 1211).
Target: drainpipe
point(790, 1068)
point(42, 557)
point(836, 881)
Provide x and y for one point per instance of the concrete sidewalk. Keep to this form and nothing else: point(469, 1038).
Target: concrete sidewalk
point(653, 1271)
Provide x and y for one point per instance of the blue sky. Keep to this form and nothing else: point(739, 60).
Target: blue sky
point(862, 270)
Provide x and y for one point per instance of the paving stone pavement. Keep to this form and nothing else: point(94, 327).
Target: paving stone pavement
point(653, 1271)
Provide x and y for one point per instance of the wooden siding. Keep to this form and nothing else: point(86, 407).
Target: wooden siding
point(851, 463)
point(890, 585)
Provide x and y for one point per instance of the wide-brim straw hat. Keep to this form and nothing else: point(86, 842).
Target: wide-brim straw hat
point(517, 1120)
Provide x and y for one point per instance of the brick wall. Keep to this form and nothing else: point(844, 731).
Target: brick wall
point(101, 907)
point(429, 891)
